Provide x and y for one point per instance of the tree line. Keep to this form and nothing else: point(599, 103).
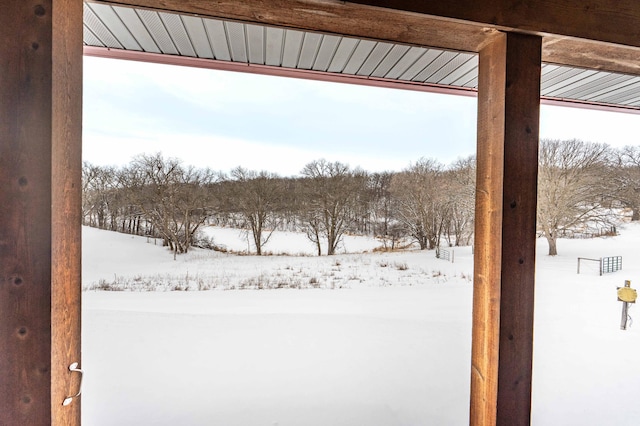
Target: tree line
point(583, 189)
point(161, 197)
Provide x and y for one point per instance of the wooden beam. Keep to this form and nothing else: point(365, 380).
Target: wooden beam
point(590, 54)
point(505, 230)
point(600, 20)
point(462, 25)
point(40, 100)
point(576, 32)
point(330, 17)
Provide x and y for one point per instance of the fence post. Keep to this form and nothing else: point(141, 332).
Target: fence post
point(600, 266)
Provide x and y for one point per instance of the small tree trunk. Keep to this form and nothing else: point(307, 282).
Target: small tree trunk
point(331, 246)
point(553, 248)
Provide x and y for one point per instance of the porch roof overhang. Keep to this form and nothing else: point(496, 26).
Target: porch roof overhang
point(575, 72)
point(40, 157)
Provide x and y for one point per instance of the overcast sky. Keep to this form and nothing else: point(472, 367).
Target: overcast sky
point(221, 120)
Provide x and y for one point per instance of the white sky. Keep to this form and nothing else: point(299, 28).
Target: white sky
point(221, 120)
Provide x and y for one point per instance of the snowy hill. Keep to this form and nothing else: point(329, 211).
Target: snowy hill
point(119, 261)
point(389, 346)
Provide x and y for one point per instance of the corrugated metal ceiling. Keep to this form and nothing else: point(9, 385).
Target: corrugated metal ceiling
point(117, 27)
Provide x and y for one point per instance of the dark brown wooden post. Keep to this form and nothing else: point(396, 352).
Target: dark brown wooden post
point(40, 164)
point(505, 230)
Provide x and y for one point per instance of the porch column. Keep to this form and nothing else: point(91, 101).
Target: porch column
point(505, 230)
point(40, 209)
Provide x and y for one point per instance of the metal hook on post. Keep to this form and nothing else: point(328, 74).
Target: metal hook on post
point(74, 369)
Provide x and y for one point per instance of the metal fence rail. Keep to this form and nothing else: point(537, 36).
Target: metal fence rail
point(444, 254)
point(610, 264)
point(606, 264)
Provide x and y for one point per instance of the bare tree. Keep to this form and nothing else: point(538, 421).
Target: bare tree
point(572, 188)
point(381, 206)
point(421, 203)
point(331, 194)
point(627, 179)
point(257, 196)
point(459, 191)
point(292, 203)
point(99, 187)
point(195, 203)
point(171, 197)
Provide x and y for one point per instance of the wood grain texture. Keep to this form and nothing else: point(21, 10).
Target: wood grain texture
point(25, 212)
point(571, 36)
point(40, 163)
point(601, 20)
point(488, 232)
point(522, 111)
point(67, 208)
point(504, 259)
point(332, 17)
point(592, 55)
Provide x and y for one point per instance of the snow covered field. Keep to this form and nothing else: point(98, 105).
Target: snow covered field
point(374, 339)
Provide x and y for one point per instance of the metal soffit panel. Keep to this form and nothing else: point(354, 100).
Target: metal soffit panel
point(124, 28)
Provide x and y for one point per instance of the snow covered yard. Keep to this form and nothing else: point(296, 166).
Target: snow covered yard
point(384, 339)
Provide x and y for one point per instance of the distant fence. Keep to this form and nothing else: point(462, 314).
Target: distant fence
point(610, 264)
point(444, 254)
point(611, 231)
point(606, 264)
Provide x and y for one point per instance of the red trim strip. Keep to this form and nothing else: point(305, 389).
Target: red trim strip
point(187, 61)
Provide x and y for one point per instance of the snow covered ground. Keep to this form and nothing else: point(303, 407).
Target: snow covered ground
point(374, 339)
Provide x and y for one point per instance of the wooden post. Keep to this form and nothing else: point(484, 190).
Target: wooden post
point(66, 215)
point(505, 230)
point(626, 295)
point(625, 315)
point(40, 164)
